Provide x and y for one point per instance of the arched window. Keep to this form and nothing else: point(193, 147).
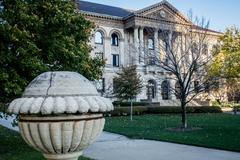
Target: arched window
point(151, 89)
point(114, 39)
point(177, 90)
point(215, 49)
point(150, 44)
point(98, 37)
point(165, 90)
point(194, 48)
point(205, 49)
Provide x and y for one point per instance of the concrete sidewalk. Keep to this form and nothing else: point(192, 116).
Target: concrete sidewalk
point(116, 147)
point(7, 122)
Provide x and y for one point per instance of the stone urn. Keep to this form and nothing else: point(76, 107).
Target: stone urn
point(60, 114)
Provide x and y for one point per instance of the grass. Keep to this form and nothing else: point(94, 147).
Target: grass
point(220, 131)
point(12, 147)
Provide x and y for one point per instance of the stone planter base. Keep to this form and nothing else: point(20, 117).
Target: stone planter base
point(61, 137)
point(70, 156)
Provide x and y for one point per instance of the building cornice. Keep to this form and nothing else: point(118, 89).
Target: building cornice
point(97, 15)
point(144, 18)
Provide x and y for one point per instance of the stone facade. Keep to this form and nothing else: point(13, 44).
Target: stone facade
point(123, 41)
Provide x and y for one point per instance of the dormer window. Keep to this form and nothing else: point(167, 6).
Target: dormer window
point(114, 39)
point(98, 37)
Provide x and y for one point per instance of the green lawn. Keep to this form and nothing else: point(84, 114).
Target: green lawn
point(12, 147)
point(221, 131)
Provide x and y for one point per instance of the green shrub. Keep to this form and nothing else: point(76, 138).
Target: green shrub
point(216, 103)
point(123, 111)
point(207, 109)
point(139, 110)
point(201, 109)
point(237, 106)
point(227, 105)
point(157, 110)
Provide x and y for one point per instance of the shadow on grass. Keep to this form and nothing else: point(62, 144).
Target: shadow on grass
point(12, 147)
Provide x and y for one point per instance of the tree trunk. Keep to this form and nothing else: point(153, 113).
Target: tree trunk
point(184, 115)
point(131, 110)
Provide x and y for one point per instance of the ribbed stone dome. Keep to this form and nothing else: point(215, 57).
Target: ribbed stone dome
point(58, 93)
point(60, 84)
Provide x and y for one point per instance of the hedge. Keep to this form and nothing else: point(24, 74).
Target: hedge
point(139, 110)
point(123, 111)
point(127, 104)
point(237, 107)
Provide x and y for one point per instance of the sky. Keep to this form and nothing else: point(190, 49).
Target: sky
point(220, 13)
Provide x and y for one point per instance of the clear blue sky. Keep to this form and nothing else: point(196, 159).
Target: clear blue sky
point(221, 13)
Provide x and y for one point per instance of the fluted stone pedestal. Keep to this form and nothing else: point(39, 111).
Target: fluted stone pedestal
point(61, 137)
point(61, 113)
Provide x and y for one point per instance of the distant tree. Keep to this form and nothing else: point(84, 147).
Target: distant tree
point(226, 63)
point(127, 85)
point(39, 36)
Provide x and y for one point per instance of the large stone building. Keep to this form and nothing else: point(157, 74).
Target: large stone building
point(120, 31)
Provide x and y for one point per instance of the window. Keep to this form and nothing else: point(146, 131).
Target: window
point(115, 60)
point(165, 90)
point(216, 84)
point(196, 86)
point(206, 86)
point(100, 85)
point(205, 49)
point(98, 37)
point(151, 89)
point(114, 39)
point(166, 46)
point(151, 60)
point(150, 44)
point(194, 48)
point(115, 85)
point(215, 49)
point(178, 90)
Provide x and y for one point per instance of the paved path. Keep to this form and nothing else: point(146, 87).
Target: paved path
point(116, 147)
point(7, 122)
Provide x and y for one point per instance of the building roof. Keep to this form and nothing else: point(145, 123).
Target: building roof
point(205, 29)
point(103, 9)
point(121, 13)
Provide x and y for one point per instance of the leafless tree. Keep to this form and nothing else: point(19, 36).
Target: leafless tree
point(185, 57)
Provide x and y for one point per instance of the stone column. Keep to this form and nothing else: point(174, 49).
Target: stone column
point(141, 37)
point(170, 38)
point(156, 45)
point(121, 50)
point(107, 50)
point(172, 93)
point(136, 45)
point(159, 89)
point(161, 48)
